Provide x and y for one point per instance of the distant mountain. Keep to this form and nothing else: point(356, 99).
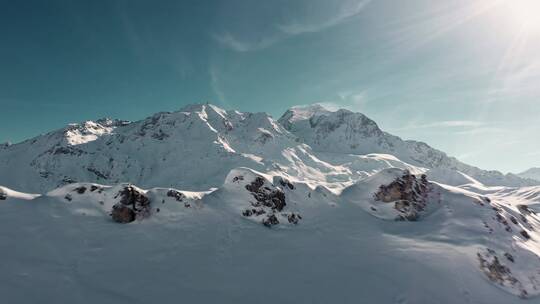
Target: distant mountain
point(533, 173)
point(196, 147)
point(343, 131)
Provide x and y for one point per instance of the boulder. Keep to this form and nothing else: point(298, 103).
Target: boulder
point(133, 204)
point(122, 214)
point(408, 194)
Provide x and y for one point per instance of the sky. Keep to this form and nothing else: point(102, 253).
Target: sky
point(461, 75)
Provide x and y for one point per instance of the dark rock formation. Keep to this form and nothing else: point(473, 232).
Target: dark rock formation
point(134, 204)
point(408, 193)
point(80, 190)
point(97, 173)
point(123, 214)
point(498, 272)
point(177, 195)
point(270, 221)
point(3, 195)
point(269, 202)
point(266, 196)
point(285, 183)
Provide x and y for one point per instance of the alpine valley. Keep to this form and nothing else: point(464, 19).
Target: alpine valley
point(207, 205)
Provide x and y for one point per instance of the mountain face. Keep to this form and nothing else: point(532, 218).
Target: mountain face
point(344, 131)
point(192, 148)
point(207, 205)
point(196, 147)
point(533, 173)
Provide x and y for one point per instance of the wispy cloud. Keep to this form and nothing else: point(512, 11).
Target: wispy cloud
point(285, 30)
point(353, 101)
point(216, 86)
point(445, 124)
point(346, 12)
point(479, 130)
point(229, 41)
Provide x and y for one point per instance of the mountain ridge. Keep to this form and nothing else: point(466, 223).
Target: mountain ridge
point(146, 151)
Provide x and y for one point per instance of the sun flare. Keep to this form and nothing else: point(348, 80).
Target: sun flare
point(525, 13)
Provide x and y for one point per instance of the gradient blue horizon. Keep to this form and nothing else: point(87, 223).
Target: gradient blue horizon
point(453, 74)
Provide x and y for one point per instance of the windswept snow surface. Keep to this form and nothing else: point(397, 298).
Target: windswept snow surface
point(266, 212)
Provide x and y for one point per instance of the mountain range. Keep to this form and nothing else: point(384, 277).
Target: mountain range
point(533, 173)
point(197, 146)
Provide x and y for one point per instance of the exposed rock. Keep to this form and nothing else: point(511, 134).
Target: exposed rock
point(498, 272)
point(177, 195)
point(525, 234)
point(133, 199)
point(97, 173)
point(509, 257)
point(270, 221)
point(285, 183)
point(408, 193)
point(265, 196)
point(123, 214)
point(293, 218)
point(237, 179)
point(80, 190)
point(525, 210)
point(3, 195)
point(269, 202)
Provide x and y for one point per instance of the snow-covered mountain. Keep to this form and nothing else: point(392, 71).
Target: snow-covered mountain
point(196, 147)
point(533, 173)
point(344, 131)
point(224, 206)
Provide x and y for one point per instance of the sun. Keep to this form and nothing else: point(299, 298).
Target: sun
point(524, 13)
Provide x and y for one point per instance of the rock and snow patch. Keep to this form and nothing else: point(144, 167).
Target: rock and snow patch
point(261, 200)
point(133, 204)
point(394, 194)
point(6, 193)
point(125, 203)
point(408, 194)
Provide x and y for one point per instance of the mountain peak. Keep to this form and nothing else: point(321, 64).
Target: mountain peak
point(203, 107)
point(532, 173)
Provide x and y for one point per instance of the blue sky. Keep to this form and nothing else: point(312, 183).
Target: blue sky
point(461, 75)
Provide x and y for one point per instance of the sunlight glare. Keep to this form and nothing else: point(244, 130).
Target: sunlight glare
point(525, 13)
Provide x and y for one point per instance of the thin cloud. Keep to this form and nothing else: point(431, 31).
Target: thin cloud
point(344, 14)
point(481, 130)
point(355, 102)
point(233, 42)
point(446, 124)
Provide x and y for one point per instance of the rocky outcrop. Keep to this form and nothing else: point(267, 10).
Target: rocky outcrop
point(498, 272)
point(3, 195)
point(134, 204)
point(179, 197)
point(408, 194)
point(269, 202)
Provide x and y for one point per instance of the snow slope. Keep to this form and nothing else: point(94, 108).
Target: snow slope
point(203, 249)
